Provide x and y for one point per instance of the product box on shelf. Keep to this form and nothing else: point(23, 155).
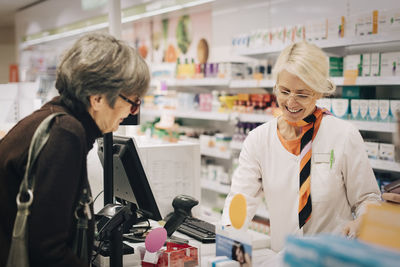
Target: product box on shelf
point(353, 62)
point(366, 65)
point(335, 66)
point(386, 152)
point(373, 108)
point(394, 20)
point(340, 107)
point(389, 64)
point(335, 28)
point(372, 149)
point(383, 22)
point(375, 64)
point(355, 109)
point(363, 109)
point(394, 109)
point(384, 107)
point(325, 103)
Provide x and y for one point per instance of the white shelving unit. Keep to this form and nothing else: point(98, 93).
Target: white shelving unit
point(248, 117)
point(216, 82)
point(370, 40)
point(385, 165)
point(200, 115)
point(372, 126)
point(369, 81)
point(251, 84)
point(208, 82)
point(215, 186)
point(215, 153)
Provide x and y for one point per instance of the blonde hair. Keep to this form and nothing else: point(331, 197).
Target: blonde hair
point(309, 63)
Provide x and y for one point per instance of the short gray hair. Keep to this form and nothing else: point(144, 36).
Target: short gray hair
point(309, 63)
point(98, 63)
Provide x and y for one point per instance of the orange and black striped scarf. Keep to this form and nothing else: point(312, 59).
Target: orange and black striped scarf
point(308, 134)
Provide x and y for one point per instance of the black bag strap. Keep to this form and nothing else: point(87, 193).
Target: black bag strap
point(38, 141)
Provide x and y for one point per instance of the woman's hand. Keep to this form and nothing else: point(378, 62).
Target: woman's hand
point(352, 228)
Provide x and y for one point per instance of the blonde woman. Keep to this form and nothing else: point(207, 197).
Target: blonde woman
point(311, 167)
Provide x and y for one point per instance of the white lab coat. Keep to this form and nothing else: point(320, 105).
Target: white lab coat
point(340, 185)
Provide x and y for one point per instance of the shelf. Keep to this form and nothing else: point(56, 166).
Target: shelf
point(215, 153)
point(369, 81)
point(236, 145)
point(251, 84)
point(215, 186)
point(385, 165)
point(370, 40)
point(212, 82)
point(215, 82)
point(249, 117)
point(372, 126)
point(189, 114)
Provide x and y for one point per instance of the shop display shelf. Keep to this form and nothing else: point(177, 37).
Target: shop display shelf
point(374, 126)
point(215, 186)
point(369, 81)
point(209, 152)
point(189, 114)
point(236, 145)
point(252, 83)
point(392, 39)
point(252, 117)
point(385, 165)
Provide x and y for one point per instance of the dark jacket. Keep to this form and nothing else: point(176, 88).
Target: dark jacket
point(61, 174)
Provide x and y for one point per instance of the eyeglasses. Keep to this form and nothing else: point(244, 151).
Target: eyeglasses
point(285, 94)
point(134, 105)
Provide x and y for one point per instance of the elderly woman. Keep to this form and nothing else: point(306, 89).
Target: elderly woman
point(311, 167)
point(100, 81)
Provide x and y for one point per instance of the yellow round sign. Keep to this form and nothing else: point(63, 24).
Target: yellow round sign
point(238, 211)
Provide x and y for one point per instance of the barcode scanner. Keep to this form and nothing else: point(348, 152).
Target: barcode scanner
point(183, 205)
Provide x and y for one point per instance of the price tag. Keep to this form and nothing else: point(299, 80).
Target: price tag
point(150, 257)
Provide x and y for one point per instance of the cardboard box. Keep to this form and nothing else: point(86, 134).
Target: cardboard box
point(363, 109)
point(340, 107)
point(373, 108)
point(372, 149)
point(355, 109)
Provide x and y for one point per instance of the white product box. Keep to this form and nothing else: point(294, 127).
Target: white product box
point(363, 109)
point(373, 107)
point(334, 28)
point(394, 108)
point(386, 152)
point(368, 23)
point(384, 114)
point(375, 64)
point(340, 107)
point(309, 31)
point(366, 65)
point(372, 149)
point(394, 20)
point(351, 62)
point(389, 63)
point(325, 103)
point(355, 109)
point(360, 25)
point(383, 22)
point(280, 36)
point(300, 34)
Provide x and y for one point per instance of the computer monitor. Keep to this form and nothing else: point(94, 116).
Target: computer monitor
point(130, 180)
